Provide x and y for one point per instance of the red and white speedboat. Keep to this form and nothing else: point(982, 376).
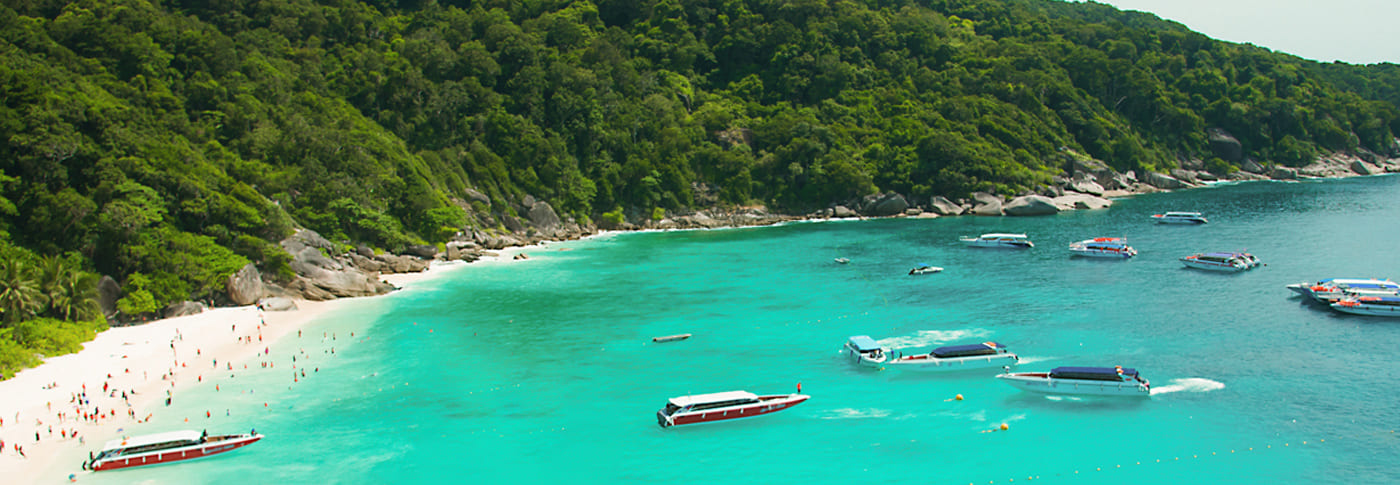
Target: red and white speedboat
point(155, 449)
point(723, 406)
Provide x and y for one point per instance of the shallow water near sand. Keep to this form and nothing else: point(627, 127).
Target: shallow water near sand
point(544, 370)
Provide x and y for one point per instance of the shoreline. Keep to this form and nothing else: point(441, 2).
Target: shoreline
point(153, 359)
point(146, 364)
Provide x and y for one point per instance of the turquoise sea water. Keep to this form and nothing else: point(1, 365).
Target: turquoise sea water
point(543, 371)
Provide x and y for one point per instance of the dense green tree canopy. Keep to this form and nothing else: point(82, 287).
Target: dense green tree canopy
point(169, 142)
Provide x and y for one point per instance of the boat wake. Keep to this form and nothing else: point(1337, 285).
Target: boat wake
point(1191, 384)
point(928, 338)
point(851, 413)
point(1032, 360)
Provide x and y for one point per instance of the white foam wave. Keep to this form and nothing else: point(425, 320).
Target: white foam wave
point(928, 338)
point(1032, 360)
point(1190, 384)
point(851, 413)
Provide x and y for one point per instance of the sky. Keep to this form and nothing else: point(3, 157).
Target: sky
point(1352, 31)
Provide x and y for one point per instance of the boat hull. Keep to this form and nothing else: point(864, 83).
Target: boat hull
point(1097, 253)
point(926, 363)
point(766, 405)
point(1366, 309)
point(175, 455)
point(1040, 382)
point(975, 243)
point(1210, 266)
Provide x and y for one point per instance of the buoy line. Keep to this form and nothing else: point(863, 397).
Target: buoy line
point(1176, 458)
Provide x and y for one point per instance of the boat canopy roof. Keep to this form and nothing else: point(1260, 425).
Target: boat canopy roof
point(1221, 255)
point(864, 343)
point(1092, 372)
point(1390, 300)
point(684, 401)
point(1003, 236)
point(1182, 214)
point(151, 439)
point(1360, 283)
point(952, 349)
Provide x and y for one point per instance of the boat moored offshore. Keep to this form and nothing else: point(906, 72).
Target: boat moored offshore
point(1091, 381)
point(723, 406)
point(160, 448)
point(1103, 247)
point(1230, 262)
point(957, 357)
point(1380, 306)
point(866, 351)
point(1179, 218)
point(998, 240)
point(1332, 290)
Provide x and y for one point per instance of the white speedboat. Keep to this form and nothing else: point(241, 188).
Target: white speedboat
point(1332, 290)
point(1381, 306)
point(843, 260)
point(865, 351)
point(1103, 247)
point(723, 406)
point(160, 448)
point(958, 357)
point(925, 268)
point(1179, 218)
point(1229, 262)
point(1091, 381)
point(1017, 241)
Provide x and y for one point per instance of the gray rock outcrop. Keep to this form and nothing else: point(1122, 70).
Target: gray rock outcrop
point(1362, 168)
point(1085, 185)
point(1225, 145)
point(108, 292)
point(323, 278)
point(277, 304)
point(424, 251)
point(887, 205)
point(183, 308)
point(842, 211)
point(543, 216)
point(1283, 173)
point(986, 204)
point(1081, 202)
point(1164, 181)
point(1252, 166)
point(942, 206)
point(245, 286)
point(1030, 205)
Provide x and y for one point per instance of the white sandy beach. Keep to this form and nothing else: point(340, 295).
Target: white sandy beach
point(40, 408)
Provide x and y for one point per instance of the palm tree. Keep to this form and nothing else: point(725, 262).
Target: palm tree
point(75, 297)
point(19, 292)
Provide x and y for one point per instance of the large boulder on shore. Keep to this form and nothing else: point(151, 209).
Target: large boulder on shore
point(986, 204)
point(887, 205)
point(1362, 168)
point(1252, 166)
point(183, 308)
point(942, 206)
point(1081, 201)
point(1030, 205)
point(245, 286)
point(277, 304)
point(1085, 184)
point(1164, 181)
point(843, 212)
point(323, 278)
point(543, 216)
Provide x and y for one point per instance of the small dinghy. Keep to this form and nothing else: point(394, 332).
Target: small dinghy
point(671, 338)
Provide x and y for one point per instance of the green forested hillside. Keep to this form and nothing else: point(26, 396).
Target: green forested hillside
point(167, 143)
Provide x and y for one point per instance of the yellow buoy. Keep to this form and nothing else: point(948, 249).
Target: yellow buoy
point(1004, 427)
point(958, 397)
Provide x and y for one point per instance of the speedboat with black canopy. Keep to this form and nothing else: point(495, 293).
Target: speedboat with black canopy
point(957, 357)
point(1089, 381)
